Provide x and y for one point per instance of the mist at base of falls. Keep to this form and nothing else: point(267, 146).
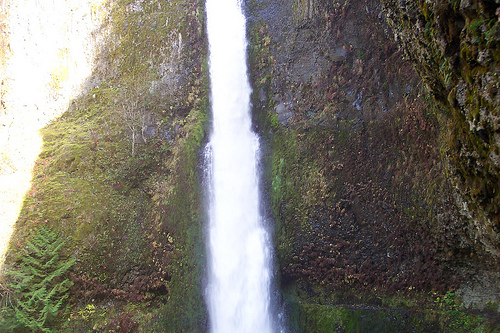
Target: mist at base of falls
point(239, 264)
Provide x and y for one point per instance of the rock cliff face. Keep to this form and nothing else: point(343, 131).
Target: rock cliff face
point(454, 46)
point(364, 210)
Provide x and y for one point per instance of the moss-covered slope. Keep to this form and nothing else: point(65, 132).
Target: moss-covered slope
point(118, 174)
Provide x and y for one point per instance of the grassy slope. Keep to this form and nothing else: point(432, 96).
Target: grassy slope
point(118, 174)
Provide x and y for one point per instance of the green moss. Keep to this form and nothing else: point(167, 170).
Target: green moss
point(187, 224)
point(325, 318)
point(131, 201)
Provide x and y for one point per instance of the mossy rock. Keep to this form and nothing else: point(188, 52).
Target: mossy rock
point(330, 319)
point(455, 50)
point(118, 174)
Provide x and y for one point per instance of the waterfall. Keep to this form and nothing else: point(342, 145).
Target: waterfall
point(238, 291)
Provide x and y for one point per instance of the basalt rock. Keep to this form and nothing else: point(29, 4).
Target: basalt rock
point(454, 46)
point(363, 162)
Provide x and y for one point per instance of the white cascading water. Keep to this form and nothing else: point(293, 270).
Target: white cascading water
point(239, 266)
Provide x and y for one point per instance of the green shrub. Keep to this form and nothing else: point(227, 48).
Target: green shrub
point(38, 288)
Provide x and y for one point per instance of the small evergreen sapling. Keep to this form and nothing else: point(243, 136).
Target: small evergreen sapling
point(38, 285)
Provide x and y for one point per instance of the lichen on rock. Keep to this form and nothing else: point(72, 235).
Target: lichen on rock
point(455, 50)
